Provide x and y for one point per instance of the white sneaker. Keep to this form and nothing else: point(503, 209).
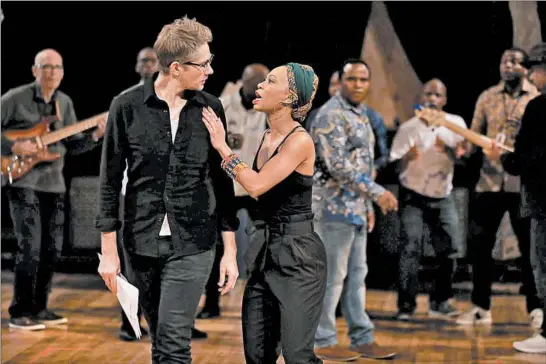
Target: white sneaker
point(533, 345)
point(536, 317)
point(475, 315)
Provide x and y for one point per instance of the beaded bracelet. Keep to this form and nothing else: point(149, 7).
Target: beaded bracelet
point(232, 165)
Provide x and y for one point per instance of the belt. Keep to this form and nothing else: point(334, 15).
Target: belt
point(285, 225)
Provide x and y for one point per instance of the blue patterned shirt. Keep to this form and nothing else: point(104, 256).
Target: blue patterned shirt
point(345, 141)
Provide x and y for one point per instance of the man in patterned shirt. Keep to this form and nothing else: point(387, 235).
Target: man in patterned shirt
point(381, 150)
point(498, 114)
point(344, 212)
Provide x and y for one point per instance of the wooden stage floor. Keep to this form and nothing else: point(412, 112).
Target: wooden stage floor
point(91, 335)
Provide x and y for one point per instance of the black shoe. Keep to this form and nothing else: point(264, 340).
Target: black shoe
point(49, 318)
point(128, 334)
point(25, 323)
point(208, 313)
point(198, 334)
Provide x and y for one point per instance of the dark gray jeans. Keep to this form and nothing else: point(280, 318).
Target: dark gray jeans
point(169, 291)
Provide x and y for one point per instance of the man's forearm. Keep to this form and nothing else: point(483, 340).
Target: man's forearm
point(108, 243)
point(230, 245)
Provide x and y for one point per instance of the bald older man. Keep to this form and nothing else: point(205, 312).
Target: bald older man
point(36, 200)
point(427, 161)
point(245, 127)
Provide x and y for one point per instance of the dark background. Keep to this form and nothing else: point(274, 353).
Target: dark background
point(459, 42)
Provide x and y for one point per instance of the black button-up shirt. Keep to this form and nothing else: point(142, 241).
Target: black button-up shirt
point(183, 179)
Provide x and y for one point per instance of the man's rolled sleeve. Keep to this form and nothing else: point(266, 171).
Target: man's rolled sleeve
point(112, 166)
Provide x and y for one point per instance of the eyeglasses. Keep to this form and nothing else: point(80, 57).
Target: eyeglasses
point(146, 60)
point(50, 67)
point(203, 66)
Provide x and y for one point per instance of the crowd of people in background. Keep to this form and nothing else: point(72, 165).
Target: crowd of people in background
point(186, 207)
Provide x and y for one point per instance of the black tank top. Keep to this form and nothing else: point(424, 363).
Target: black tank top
point(292, 196)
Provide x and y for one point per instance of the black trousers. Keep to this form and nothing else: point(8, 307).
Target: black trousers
point(283, 298)
point(487, 212)
point(38, 220)
point(441, 217)
point(169, 291)
point(124, 268)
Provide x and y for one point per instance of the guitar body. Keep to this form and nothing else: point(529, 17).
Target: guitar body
point(16, 166)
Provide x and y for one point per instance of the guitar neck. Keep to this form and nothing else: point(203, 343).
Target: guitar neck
point(468, 134)
point(70, 130)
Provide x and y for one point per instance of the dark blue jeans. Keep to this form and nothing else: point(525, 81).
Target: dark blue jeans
point(442, 219)
point(169, 291)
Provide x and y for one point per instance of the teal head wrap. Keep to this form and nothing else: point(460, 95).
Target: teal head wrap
point(303, 83)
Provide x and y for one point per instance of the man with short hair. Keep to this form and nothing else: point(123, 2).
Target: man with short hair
point(37, 199)
point(345, 214)
point(497, 115)
point(426, 158)
point(177, 198)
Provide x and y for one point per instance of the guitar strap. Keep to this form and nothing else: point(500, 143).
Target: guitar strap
point(58, 109)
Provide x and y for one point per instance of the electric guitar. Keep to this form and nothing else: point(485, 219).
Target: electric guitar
point(15, 166)
point(435, 118)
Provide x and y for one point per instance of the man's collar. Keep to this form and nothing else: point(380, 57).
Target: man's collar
point(526, 87)
point(346, 105)
point(190, 95)
point(38, 93)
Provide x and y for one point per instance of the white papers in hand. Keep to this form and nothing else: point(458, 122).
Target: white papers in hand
point(128, 298)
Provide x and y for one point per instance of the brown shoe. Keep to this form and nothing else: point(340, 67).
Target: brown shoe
point(373, 351)
point(336, 353)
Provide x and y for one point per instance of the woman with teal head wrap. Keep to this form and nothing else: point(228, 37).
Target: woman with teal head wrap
point(284, 294)
point(303, 84)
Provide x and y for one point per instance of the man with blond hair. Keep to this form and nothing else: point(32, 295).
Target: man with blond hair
point(177, 196)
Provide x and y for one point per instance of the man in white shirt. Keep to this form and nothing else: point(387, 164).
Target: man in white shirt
point(427, 157)
point(245, 127)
